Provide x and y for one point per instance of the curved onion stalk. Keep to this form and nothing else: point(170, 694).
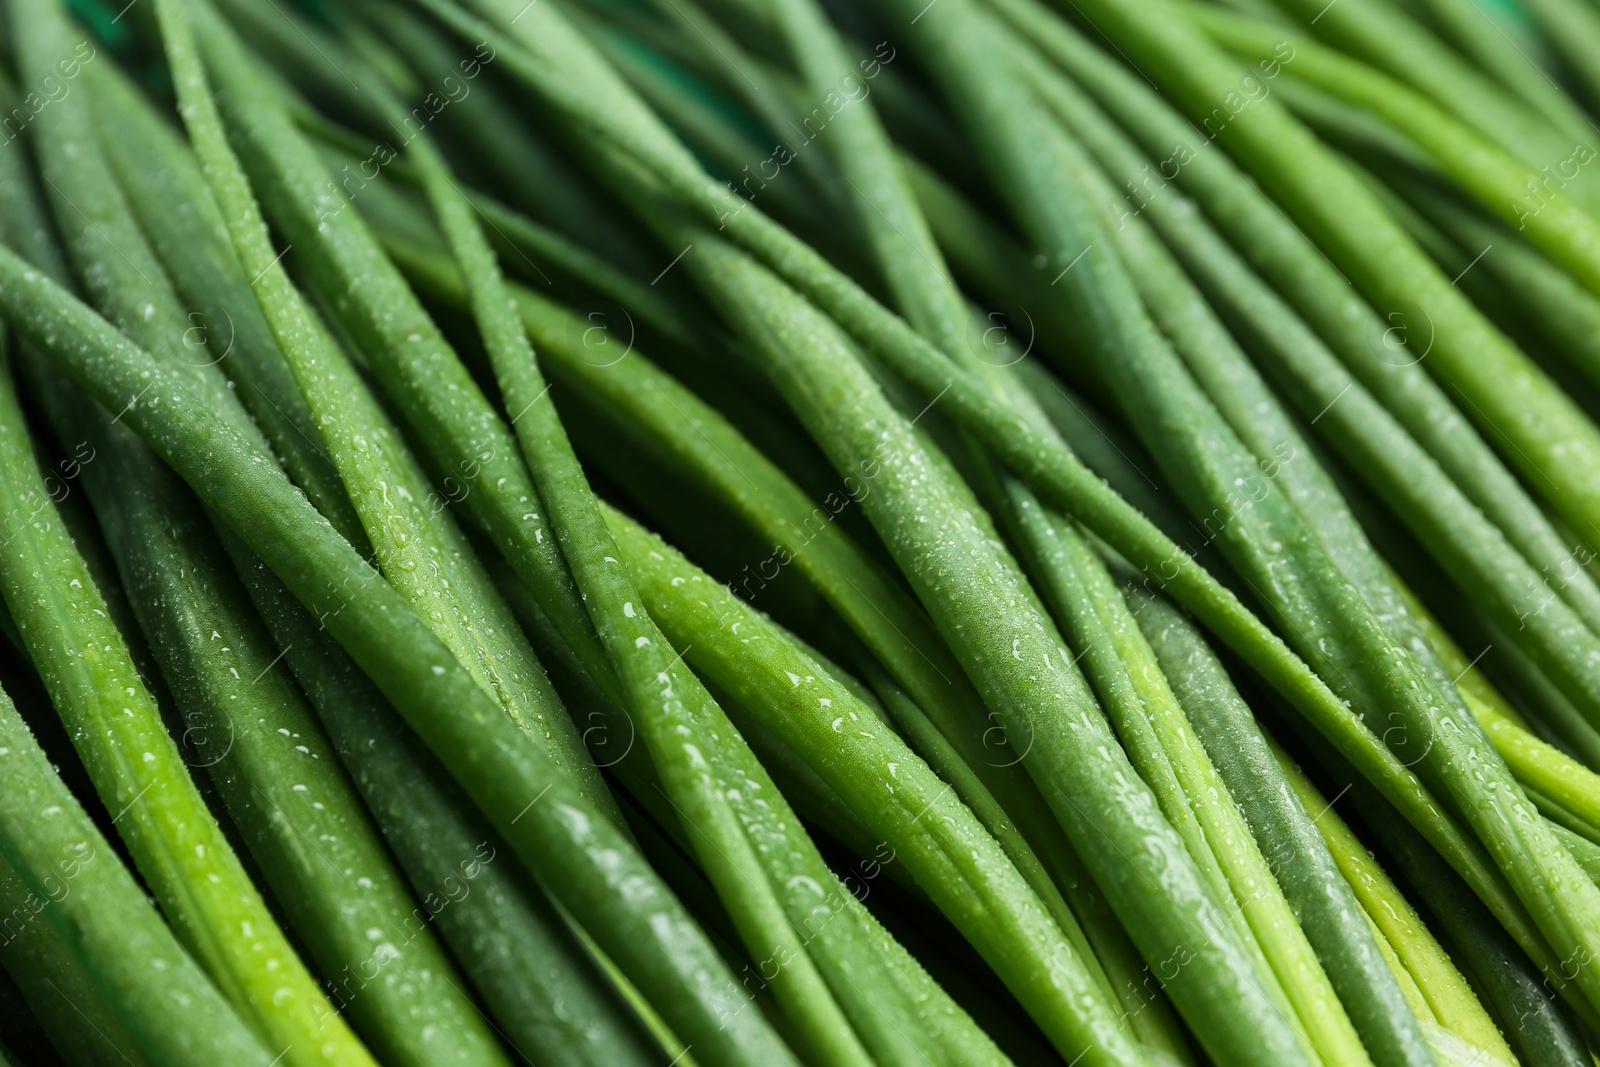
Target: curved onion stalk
point(1533, 1021)
point(1140, 703)
point(1548, 773)
point(1300, 860)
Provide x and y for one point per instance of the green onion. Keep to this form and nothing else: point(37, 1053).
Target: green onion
point(679, 424)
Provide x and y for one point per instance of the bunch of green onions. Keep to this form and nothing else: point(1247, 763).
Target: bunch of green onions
point(625, 532)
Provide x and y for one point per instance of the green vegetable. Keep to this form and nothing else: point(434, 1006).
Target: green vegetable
point(672, 421)
point(155, 170)
point(1518, 408)
point(1017, 443)
point(1534, 1021)
point(976, 602)
point(645, 668)
point(1443, 989)
point(1539, 132)
point(1559, 225)
point(1476, 553)
point(1459, 762)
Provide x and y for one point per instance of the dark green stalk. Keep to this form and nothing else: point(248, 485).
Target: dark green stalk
point(1500, 43)
point(177, 845)
point(1535, 1023)
point(54, 984)
point(533, 174)
point(419, 547)
point(1441, 988)
point(156, 170)
point(1556, 307)
point(644, 664)
point(673, 422)
point(977, 603)
point(1541, 431)
point(1573, 29)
